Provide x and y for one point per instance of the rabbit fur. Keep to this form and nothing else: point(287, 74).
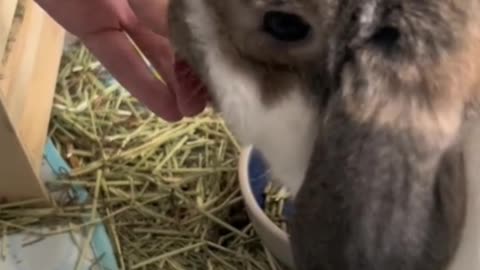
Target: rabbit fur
point(361, 117)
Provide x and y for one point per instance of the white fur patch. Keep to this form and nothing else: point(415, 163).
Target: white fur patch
point(283, 133)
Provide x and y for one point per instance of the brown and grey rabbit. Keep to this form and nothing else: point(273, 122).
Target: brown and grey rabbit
point(358, 106)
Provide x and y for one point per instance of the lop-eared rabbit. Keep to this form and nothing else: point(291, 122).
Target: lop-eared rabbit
point(360, 109)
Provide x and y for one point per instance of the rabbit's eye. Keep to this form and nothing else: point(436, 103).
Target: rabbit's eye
point(284, 26)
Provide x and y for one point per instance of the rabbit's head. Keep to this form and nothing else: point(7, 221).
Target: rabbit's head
point(424, 48)
point(407, 65)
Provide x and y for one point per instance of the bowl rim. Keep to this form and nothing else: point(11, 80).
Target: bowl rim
point(250, 201)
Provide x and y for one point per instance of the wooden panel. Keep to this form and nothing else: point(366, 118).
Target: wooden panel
point(28, 79)
point(20, 65)
point(11, 41)
point(7, 11)
point(40, 90)
point(18, 181)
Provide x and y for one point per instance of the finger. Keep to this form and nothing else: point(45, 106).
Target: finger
point(157, 50)
point(190, 92)
point(152, 13)
point(114, 50)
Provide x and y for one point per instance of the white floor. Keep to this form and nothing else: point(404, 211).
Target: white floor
point(58, 252)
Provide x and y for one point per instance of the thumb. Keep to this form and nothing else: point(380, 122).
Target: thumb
point(152, 13)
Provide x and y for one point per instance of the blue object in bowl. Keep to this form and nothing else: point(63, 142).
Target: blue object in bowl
point(259, 177)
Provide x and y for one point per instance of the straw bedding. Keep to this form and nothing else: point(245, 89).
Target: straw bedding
point(168, 194)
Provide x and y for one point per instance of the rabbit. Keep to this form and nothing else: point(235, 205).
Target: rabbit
point(358, 106)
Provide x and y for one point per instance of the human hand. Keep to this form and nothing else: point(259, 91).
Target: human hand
point(102, 26)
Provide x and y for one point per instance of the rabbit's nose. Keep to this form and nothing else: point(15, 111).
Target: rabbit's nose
point(368, 20)
point(286, 27)
point(384, 37)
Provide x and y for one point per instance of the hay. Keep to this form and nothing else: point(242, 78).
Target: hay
point(167, 193)
point(275, 200)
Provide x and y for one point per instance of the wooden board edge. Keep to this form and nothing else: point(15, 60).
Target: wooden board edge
point(33, 124)
point(18, 181)
point(25, 56)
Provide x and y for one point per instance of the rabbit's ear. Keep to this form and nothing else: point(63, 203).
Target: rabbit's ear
point(368, 198)
point(372, 183)
point(371, 197)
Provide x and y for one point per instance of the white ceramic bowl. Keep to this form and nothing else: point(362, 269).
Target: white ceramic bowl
point(253, 178)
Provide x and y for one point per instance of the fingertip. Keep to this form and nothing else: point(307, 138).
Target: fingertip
point(162, 105)
point(170, 118)
point(131, 72)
